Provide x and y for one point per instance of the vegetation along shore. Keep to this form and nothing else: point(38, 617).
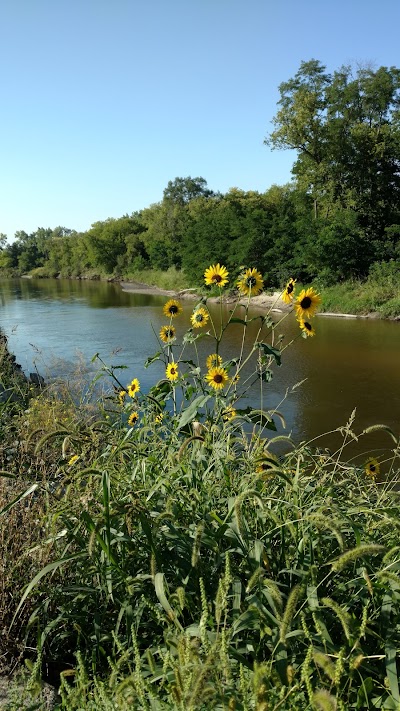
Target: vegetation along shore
point(159, 550)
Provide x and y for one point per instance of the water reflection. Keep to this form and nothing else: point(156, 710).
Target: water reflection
point(350, 363)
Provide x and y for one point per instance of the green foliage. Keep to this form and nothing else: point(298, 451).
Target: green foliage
point(380, 293)
point(345, 130)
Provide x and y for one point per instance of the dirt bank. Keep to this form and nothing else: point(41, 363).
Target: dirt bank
point(266, 302)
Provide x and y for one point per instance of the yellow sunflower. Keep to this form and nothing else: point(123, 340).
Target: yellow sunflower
point(73, 460)
point(172, 371)
point(213, 361)
point(217, 377)
point(229, 413)
point(288, 292)
point(121, 396)
point(132, 419)
point(172, 308)
point(264, 469)
point(199, 318)
point(251, 282)
point(216, 275)
point(307, 303)
point(133, 387)
point(372, 467)
point(306, 327)
point(167, 333)
point(159, 418)
point(264, 466)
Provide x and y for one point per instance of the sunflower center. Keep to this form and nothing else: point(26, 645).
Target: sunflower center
point(372, 467)
point(251, 281)
point(169, 333)
point(199, 317)
point(218, 378)
point(307, 326)
point(306, 302)
point(173, 309)
point(289, 288)
point(172, 371)
point(217, 278)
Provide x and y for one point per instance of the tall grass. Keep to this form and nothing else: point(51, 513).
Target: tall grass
point(171, 280)
point(379, 294)
point(189, 565)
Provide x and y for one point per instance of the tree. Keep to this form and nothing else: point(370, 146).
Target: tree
point(182, 190)
point(345, 128)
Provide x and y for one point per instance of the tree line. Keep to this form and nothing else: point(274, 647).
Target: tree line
point(339, 215)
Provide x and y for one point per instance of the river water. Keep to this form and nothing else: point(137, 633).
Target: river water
point(350, 363)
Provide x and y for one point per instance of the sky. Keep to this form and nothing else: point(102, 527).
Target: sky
point(104, 101)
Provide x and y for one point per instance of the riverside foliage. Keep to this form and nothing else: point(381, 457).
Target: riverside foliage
point(173, 556)
point(338, 218)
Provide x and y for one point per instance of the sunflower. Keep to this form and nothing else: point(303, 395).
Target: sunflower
point(306, 327)
point(199, 318)
point(133, 387)
point(251, 282)
point(172, 371)
point(132, 419)
point(372, 468)
point(229, 413)
point(121, 396)
point(264, 466)
point(217, 377)
point(213, 361)
point(172, 308)
point(167, 333)
point(216, 275)
point(288, 292)
point(307, 303)
point(235, 379)
point(159, 418)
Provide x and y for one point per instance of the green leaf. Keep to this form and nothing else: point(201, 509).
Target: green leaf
point(190, 413)
point(190, 337)
point(239, 320)
point(18, 498)
point(153, 358)
point(391, 670)
point(266, 376)
point(7, 475)
point(47, 569)
point(163, 387)
point(160, 592)
point(189, 362)
point(269, 350)
point(262, 418)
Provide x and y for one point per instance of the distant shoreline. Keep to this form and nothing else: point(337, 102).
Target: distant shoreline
point(271, 301)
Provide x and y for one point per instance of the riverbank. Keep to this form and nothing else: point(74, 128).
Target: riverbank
point(263, 301)
point(377, 296)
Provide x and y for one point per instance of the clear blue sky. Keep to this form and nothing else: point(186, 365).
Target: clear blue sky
point(105, 101)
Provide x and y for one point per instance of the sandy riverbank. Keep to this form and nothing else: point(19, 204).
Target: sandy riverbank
point(263, 301)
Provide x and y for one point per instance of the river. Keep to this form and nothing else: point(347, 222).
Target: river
point(351, 363)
